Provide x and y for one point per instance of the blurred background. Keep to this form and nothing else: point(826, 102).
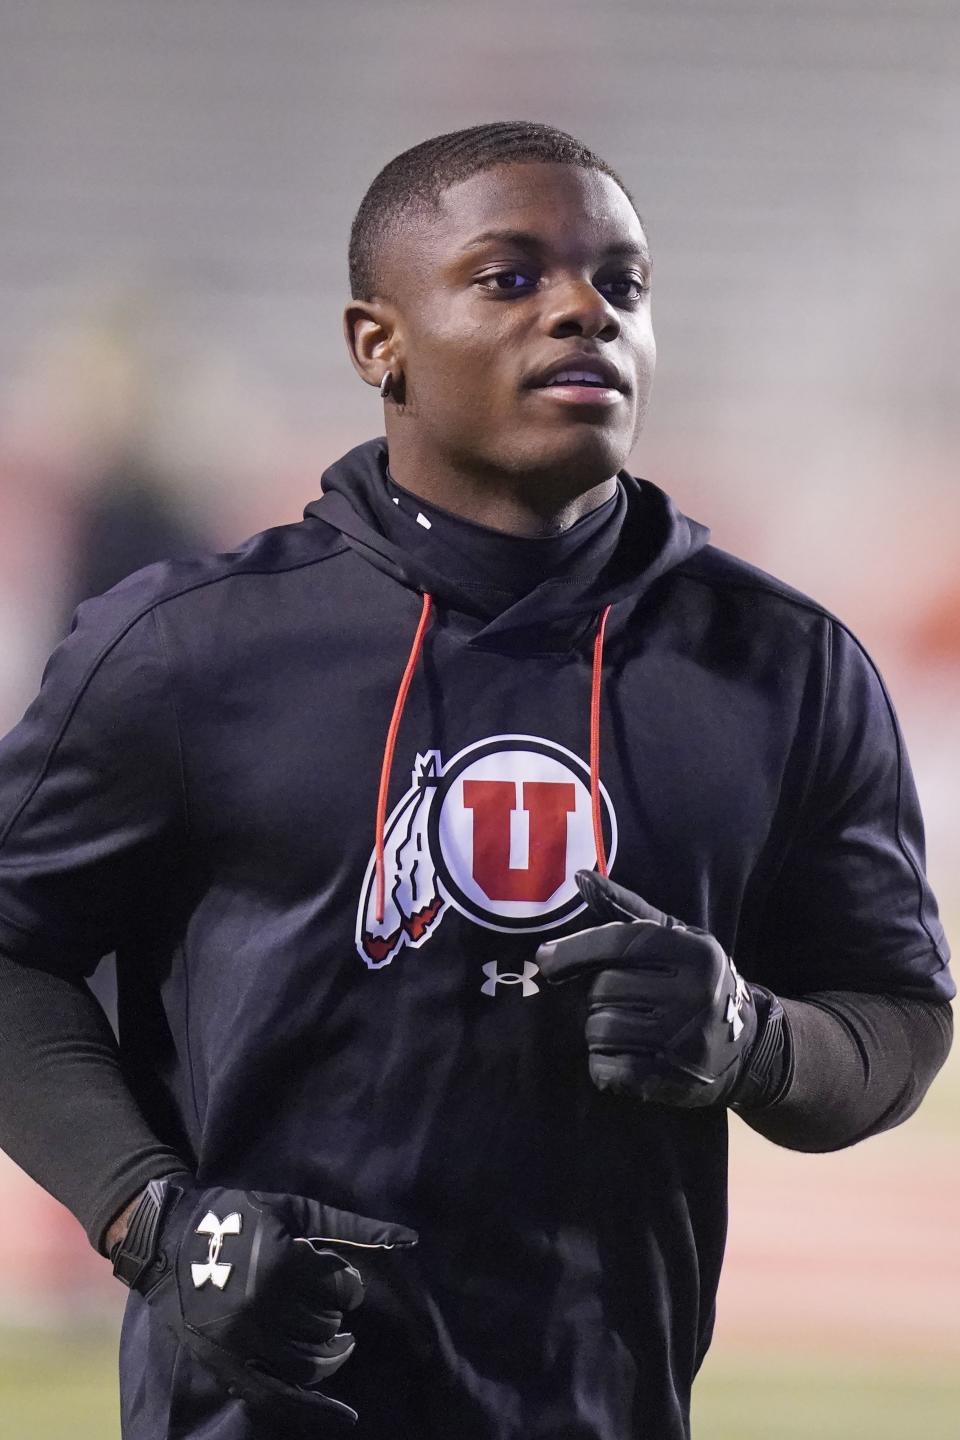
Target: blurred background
point(177, 183)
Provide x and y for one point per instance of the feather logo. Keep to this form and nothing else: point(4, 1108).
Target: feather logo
point(413, 904)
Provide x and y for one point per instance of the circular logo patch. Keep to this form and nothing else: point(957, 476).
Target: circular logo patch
point(498, 832)
point(511, 825)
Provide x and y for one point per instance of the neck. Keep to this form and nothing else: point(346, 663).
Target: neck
point(533, 506)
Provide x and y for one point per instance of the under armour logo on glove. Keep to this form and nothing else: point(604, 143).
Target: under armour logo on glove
point(215, 1269)
point(669, 1018)
point(510, 977)
point(735, 1004)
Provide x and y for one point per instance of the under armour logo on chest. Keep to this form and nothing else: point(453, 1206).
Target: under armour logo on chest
point(510, 977)
point(214, 1269)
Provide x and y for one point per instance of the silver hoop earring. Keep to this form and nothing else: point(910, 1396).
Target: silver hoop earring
point(386, 384)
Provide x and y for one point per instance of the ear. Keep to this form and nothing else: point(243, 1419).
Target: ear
point(369, 328)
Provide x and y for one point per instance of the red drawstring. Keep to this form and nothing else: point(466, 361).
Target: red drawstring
point(595, 742)
point(389, 748)
point(391, 742)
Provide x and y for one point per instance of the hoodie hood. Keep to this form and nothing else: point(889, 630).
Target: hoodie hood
point(653, 538)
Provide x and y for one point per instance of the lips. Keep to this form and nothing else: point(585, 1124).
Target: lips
point(580, 370)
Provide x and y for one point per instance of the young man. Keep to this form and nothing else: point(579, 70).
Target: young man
point(347, 803)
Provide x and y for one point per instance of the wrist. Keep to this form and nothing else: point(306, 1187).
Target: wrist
point(765, 1067)
point(117, 1231)
point(136, 1252)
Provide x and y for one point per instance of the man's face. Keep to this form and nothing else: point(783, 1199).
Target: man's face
point(524, 268)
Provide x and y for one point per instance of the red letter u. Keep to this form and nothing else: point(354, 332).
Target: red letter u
point(547, 803)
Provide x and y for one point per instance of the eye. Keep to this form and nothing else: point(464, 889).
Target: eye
point(509, 281)
point(626, 286)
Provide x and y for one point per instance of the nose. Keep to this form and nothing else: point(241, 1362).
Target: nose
point(578, 308)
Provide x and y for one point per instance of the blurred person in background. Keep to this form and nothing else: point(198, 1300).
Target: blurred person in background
point(97, 491)
point(334, 796)
point(127, 437)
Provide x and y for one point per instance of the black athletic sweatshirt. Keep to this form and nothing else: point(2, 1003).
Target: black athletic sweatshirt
point(324, 796)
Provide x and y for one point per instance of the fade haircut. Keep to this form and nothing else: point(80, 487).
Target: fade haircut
point(415, 180)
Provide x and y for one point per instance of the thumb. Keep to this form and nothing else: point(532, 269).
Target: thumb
point(610, 901)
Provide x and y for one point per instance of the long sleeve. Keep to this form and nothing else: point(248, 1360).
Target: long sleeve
point(846, 1065)
point(92, 824)
point(850, 940)
point(66, 1114)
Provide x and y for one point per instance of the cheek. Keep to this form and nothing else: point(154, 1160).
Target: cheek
point(646, 352)
point(458, 372)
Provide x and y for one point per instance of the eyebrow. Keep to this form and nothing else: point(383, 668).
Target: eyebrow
point(527, 241)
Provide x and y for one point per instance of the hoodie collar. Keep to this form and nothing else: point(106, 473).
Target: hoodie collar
point(650, 538)
point(498, 569)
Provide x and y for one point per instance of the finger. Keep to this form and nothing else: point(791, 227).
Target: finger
point(625, 1028)
point(314, 1364)
point(645, 1077)
point(617, 944)
point(649, 984)
point(610, 901)
point(312, 1324)
point(635, 1075)
point(295, 1359)
point(322, 1225)
point(301, 1411)
point(321, 1272)
point(627, 1009)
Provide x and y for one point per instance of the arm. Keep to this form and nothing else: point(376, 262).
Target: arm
point(66, 1114)
point(849, 936)
point(92, 825)
point(846, 1019)
point(848, 1065)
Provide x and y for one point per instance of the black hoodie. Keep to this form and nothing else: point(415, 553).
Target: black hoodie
point(325, 800)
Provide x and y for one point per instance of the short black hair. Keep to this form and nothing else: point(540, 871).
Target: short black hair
point(418, 177)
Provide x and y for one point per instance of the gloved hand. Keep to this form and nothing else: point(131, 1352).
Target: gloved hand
point(256, 1286)
point(670, 1019)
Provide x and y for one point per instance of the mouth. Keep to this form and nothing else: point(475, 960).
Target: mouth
point(580, 380)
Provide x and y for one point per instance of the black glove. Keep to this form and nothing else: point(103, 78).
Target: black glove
point(670, 1019)
point(252, 1285)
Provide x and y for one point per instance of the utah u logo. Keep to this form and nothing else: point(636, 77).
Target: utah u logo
point(498, 833)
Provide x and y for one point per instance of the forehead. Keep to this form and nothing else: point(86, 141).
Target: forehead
point(565, 207)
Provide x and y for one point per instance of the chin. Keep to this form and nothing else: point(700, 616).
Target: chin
point(579, 459)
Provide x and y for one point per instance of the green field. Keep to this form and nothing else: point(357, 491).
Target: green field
point(56, 1386)
point(821, 1400)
